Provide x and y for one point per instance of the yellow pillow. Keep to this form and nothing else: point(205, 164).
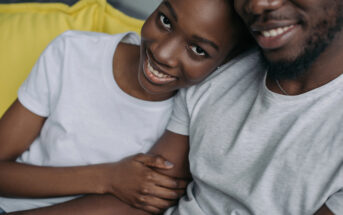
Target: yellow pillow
point(27, 28)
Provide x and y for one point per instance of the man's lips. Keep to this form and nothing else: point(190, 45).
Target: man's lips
point(274, 36)
point(154, 74)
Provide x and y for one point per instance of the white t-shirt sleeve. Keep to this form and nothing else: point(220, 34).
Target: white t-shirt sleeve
point(335, 202)
point(180, 120)
point(38, 90)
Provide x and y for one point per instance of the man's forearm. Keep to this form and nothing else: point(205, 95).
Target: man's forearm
point(87, 205)
point(324, 211)
point(175, 148)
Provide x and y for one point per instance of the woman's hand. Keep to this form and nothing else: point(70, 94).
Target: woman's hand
point(134, 181)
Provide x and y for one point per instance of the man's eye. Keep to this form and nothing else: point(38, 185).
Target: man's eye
point(165, 21)
point(198, 51)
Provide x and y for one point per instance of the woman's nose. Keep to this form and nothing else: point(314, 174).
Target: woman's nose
point(167, 51)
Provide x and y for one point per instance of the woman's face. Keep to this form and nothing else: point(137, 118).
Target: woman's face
point(183, 41)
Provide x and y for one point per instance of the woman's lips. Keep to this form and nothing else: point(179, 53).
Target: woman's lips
point(275, 37)
point(154, 75)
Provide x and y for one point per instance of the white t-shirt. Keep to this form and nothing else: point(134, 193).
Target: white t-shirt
point(255, 152)
point(90, 119)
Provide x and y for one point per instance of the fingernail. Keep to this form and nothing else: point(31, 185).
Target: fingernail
point(169, 164)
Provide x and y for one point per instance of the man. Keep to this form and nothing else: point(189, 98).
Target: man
point(269, 140)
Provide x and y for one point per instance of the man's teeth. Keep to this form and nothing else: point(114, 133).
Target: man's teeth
point(157, 73)
point(276, 32)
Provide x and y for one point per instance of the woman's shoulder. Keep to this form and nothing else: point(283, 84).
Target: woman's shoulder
point(88, 37)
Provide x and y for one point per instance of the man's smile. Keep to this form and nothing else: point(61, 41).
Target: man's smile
point(274, 35)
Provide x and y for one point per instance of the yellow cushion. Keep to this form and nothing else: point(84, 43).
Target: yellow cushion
point(27, 28)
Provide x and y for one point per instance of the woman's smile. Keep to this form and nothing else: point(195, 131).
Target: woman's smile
point(154, 75)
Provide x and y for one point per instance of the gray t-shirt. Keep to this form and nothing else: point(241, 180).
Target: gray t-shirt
point(253, 151)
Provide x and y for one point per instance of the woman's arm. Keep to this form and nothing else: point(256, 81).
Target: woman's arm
point(18, 129)
point(128, 179)
point(172, 146)
point(88, 205)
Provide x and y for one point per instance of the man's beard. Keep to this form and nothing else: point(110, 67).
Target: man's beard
point(322, 37)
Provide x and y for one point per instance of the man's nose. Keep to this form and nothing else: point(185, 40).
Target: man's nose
point(258, 7)
point(167, 51)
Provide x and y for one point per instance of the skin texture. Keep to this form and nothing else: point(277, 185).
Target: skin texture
point(173, 42)
point(114, 178)
point(172, 146)
point(314, 23)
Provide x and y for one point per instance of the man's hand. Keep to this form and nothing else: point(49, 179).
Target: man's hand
point(134, 181)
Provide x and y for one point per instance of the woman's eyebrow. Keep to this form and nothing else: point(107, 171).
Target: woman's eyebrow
point(203, 40)
point(171, 9)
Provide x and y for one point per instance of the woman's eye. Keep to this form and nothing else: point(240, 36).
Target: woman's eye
point(165, 21)
point(198, 51)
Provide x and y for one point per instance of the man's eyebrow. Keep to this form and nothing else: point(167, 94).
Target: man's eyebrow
point(203, 40)
point(171, 9)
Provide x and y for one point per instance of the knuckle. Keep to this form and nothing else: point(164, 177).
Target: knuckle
point(142, 199)
point(158, 159)
point(137, 200)
point(145, 191)
point(175, 184)
point(149, 176)
point(176, 195)
point(138, 156)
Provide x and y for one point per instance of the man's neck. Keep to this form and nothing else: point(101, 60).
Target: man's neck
point(327, 67)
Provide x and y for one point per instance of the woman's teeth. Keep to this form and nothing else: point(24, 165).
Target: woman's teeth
point(276, 32)
point(157, 73)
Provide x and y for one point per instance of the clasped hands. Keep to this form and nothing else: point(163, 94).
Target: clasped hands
point(136, 181)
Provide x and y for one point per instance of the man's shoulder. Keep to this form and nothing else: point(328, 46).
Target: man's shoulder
point(247, 62)
point(247, 65)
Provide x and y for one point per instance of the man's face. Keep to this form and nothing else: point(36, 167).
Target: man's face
point(292, 33)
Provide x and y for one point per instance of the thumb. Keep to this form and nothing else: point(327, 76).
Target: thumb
point(155, 161)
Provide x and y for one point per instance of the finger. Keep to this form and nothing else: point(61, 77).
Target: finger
point(156, 161)
point(163, 193)
point(155, 202)
point(181, 184)
point(148, 208)
point(165, 181)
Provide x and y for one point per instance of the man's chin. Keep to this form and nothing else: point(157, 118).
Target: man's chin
point(295, 66)
point(283, 70)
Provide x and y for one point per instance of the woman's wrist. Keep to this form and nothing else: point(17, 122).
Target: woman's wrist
point(104, 177)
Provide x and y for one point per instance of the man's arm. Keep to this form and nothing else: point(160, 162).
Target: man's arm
point(174, 148)
point(324, 211)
